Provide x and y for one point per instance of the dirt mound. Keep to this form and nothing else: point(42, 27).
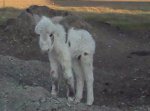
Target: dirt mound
point(23, 25)
point(43, 10)
point(20, 31)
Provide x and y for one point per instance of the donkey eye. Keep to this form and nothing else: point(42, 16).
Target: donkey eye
point(51, 35)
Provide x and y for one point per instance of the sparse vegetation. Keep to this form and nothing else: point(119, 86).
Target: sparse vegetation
point(125, 21)
point(6, 13)
point(124, 16)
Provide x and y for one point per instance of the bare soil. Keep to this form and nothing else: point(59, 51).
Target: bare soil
point(122, 61)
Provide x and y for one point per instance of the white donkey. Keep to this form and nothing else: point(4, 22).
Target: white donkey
point(73, 49)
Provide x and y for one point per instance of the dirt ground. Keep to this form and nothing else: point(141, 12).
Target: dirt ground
point(121, 62)
point(122, 66)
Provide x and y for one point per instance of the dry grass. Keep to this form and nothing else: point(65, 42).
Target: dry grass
point(23, 3)
point(102, 10)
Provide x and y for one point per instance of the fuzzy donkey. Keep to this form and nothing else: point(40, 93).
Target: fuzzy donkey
point(72, 50)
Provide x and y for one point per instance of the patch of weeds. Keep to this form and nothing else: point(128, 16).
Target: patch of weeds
point(6, 13)
point(124, 21)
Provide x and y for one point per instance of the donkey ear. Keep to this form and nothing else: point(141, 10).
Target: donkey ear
point(36, 18)
point(57, 19)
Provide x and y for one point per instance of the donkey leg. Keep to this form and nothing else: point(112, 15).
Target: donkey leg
point(68, 75)
point(87, 66)
point(79, 80)
point(70, 84)
point(54, 75)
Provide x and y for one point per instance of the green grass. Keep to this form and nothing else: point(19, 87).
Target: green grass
point(123, 21)
point(6, 13)
point(127, 21)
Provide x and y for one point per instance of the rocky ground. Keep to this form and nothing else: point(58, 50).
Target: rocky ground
point(121, 62)
point(23, 88)
point(30, 96)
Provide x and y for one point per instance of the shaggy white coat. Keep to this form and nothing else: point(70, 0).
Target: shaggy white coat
point(76, 54)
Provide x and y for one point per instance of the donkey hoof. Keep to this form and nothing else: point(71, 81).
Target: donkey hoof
point(89, 103)
point(70, 99)
point(53, 94)
point(77, 100)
